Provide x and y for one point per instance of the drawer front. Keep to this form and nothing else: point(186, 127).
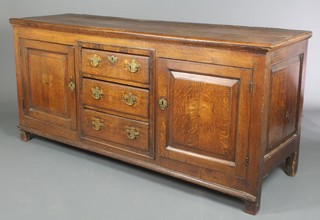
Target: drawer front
point(116, 65)
point(115, 97)
point(122, 133)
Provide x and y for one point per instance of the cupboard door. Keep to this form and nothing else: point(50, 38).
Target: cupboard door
point(203, 115)
point(49, 83)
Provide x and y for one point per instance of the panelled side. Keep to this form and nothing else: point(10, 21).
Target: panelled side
point(287, 71)
point(285, 77)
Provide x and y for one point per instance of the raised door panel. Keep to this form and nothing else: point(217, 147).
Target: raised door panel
point(206, 117)
point(47, 71)
point(206, 121)
point(284, 100)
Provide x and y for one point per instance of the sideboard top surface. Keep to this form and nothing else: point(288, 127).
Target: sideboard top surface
point(250, 38)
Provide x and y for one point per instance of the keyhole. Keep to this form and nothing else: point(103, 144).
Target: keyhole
point(162, 103)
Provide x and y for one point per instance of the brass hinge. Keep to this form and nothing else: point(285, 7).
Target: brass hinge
point(251, 87)
point(247, 162)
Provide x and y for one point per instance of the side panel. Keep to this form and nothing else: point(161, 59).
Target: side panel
point(285, 82)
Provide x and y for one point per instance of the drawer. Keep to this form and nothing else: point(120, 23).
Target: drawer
point(126, 134)
point(115, 97)
point(116, 65)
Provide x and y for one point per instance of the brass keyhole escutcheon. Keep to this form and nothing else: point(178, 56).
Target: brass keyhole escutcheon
point(112, 59)
point(97, 124)
point(132, 133)
point(129, 98)
point(72, 86)
point(95, 60)
point(132, 66)
point(96, 93)
point(162, 103)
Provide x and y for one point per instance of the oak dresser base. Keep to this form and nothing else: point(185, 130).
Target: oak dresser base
point(215, 105)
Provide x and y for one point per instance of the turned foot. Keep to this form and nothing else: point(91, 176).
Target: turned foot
point(291, 165)
point(251, 208)
point(25, 136)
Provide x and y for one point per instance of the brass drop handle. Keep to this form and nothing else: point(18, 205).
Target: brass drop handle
point(162, 103)
point(72, 86)
point(97, 124)
point(95, 60)
point(112, 59)
point(129, 98)
point(132, 66)
point(132, 133)
point(96, 93)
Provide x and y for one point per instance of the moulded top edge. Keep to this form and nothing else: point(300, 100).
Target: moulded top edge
point(250, 38)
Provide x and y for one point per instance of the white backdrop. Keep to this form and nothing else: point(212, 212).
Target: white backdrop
point(294, 14)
